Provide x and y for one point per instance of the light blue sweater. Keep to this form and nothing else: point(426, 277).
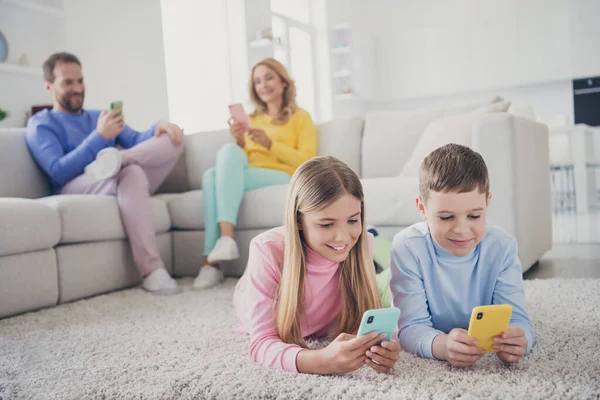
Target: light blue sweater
point(436, 290)
point(64, 144)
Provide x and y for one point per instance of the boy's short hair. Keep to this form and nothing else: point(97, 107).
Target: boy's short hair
point(453, 168)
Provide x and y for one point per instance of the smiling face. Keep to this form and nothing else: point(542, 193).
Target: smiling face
point(268, 85)
point(68, 89)
point(456, 220)
point(332, 231)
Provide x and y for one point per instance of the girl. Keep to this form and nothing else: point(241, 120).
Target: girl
point(282, 137)
point(314, 277)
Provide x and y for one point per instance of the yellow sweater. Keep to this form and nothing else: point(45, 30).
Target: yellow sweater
point(292, 143)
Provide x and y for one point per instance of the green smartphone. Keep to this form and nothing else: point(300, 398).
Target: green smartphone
point(382, 320)
point(115, 105)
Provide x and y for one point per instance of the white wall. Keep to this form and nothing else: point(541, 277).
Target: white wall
point(120, 45)
point(36, 34)
point(546, 99)
point(431, 51)
point(198, 62)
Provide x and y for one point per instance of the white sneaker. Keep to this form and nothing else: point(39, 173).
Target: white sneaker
point(209, 276)
point(226, 249)
point(107, 164)
point(160, 282)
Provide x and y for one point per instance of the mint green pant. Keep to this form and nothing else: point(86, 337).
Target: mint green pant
point(223, 188)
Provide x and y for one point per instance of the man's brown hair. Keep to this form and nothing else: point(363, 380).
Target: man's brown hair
point(55, 58)
point(453, 168)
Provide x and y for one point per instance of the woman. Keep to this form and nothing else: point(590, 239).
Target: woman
point(282, 136)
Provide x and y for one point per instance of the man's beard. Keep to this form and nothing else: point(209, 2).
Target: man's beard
point(67, 103)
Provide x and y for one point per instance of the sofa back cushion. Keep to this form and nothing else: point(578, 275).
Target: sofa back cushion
point(201, 153)
point(20, 175)
point(341, 138)
point(390, 137)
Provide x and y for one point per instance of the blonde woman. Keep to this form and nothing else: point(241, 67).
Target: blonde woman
point(314, 277)
point(282, 136)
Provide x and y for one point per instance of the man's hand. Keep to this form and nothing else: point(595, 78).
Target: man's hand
point(175, 132)
point(110, 125)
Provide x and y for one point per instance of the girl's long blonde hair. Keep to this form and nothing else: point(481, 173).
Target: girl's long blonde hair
point(288, 105)
point(316, 184)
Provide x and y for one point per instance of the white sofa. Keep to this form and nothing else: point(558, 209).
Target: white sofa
point(55, 249)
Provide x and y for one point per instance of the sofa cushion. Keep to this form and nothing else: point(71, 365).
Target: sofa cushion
point(27, 225)
point(201, 153)
point(341, 138)
point(391, 201)
point(19, 174)
point(89, 218)
point(450, 129)
point(261, 208)
point(177, 181)
point(389, 137)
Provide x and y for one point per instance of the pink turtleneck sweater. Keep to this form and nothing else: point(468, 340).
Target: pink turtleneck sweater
point(255, 296)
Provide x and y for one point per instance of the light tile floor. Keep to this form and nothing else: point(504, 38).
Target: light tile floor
point(576, 249)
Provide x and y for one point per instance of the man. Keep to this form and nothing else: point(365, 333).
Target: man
point(77, 150)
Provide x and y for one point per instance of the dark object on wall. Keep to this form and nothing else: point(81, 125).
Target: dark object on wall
point(36, 109)
point(3, 48)
point(586, 101)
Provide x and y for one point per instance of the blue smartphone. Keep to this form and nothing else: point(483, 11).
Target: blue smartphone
point(382, 320)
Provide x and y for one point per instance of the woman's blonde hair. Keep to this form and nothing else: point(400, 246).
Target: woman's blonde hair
point(288, 105)
point(317, 184)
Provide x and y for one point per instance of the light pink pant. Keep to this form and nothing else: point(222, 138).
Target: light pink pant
point(144, 168)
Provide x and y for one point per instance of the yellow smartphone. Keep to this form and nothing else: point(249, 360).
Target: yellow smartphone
point(488, 322)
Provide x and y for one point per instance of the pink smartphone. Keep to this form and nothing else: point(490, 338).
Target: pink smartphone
point(239, 115)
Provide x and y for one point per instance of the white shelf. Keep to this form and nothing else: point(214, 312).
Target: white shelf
point(12, 130)
point(19, 69)
point(341, 27)
point(341, 50)
point(342, 73)
point(345, 96)
point(32, 5)
point(262, 43)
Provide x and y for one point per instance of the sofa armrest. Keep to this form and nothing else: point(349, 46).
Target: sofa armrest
point(516, 152)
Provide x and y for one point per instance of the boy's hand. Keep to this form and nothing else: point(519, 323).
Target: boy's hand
point(511, 345)
point(383, 357)
point(460, 349)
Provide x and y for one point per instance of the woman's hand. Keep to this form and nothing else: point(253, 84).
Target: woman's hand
point(259, 136)
point(383, 357)
point(237, 130)
point(511, 345)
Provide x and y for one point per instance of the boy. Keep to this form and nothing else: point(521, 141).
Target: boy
point(452, 262)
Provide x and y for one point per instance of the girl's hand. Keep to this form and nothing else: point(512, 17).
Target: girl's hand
point(259, 136)
point(347, 353)
point(511, 345)
point(383, 357)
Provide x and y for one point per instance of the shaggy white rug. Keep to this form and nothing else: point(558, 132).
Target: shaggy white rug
point(131, 345)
